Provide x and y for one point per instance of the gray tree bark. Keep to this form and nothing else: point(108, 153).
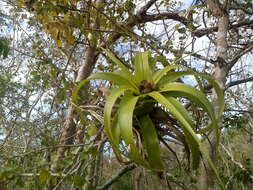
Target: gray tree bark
point(207, 178)
point(69, 129)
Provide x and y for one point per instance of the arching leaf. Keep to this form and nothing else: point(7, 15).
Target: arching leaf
point(118, 62)
point(126, 110)
point(110, 101)
point(116, 78)
point(161, 73)
point(193, 140)
point(196, 96)
point(111, 129)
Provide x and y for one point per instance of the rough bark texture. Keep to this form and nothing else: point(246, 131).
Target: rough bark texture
point(207, 178)
point(68, 132)
point(99, 163)
point(69, 129)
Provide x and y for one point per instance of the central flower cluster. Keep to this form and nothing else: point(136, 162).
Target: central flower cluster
point(146, 86)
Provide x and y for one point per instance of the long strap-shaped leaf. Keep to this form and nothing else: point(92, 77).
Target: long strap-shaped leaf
point(219, 92)
point(126, 110)
point(141, 66)
point(114, 130)
point(196, 96)
point(116, 78)
point(125, 120)
point(182, 109)
point(161, 73)
point(189, 138)
point(220, 98)
point(151, 143)
point(164, 101)
point(110, 101)
point(175, 75)
point(118, 62)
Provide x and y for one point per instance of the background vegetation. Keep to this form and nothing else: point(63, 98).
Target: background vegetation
point(52, 140)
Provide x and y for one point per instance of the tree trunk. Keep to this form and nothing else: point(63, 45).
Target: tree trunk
point(207, 178)
point(69, 130)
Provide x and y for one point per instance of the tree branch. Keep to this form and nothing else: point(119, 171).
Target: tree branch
point(116, 177)
point(164, 16)
point(240, 111)
point(239, 54)
point(203, 31)
point(183, 20)
point(136, 19)
point(145, 8)
point(234, 83)
point(196, 55)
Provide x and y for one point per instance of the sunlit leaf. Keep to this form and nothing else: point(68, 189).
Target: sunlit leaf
point(219, 93)
point(181, 90)
point(182, 110)
point(118, 79)
point(141, 66)
point(110, 101)
point(161, 73)
point(126, 110)
point(115, 129)
point(118, 62)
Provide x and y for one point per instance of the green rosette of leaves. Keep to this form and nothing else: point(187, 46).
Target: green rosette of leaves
point(127, 112)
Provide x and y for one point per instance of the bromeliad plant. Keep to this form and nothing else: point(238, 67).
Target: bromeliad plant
point(129, 108)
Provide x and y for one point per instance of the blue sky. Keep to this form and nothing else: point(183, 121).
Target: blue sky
point(187, 4)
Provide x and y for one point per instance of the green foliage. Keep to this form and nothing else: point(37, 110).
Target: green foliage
point(4, 41)
point(145, 102)
point(235, 121)
point(137, 131)
point(237, 157)
point(44, 176)
point(4, 47)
